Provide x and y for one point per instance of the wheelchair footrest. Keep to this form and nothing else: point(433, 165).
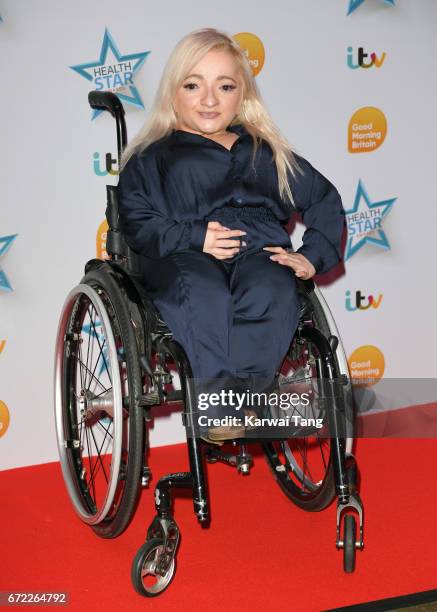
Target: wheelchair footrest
point(241, 461)
point(149, 399)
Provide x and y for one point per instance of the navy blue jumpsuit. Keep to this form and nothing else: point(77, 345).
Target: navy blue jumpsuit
point(235, 318)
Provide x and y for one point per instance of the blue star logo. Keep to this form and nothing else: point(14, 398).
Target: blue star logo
point(354, 4)
point(5, 245)
point(95, 330)
point(364, 222)
point(114, 72)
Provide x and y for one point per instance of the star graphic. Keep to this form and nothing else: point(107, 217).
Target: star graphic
point(95, 330)
point(364, 222)
point(5, 245)
point(354, 4)
point(113, 72)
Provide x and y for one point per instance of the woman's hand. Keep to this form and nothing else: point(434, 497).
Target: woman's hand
point(303, 268)
point(219, 241)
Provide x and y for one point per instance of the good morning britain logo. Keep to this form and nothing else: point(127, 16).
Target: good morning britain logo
point(101, 236)
point(364, 222)
point(367, 130)
point(113, 71)
point(366, 365)
point(4, 419)
point(253, 48)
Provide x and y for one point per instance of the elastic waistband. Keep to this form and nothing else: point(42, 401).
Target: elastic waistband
point(243, 212)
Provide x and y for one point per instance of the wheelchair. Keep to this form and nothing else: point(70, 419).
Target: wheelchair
point(115, 359)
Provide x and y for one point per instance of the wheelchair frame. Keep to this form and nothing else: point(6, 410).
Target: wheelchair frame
point(146, 326)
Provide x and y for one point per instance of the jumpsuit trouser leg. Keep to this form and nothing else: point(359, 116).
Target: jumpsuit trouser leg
point(235, 320)
point(264, 319)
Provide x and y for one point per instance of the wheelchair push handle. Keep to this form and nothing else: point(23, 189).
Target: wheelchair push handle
point(106, 100)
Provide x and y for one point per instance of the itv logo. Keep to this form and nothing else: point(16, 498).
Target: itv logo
point(109, 165)
point(361, 301)
point(360, 60)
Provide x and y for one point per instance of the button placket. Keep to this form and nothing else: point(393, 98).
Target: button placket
point(236, 176)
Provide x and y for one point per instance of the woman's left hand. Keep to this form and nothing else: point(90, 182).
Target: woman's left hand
point(303, 268)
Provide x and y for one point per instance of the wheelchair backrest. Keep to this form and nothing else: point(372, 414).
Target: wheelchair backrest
point(116, 245)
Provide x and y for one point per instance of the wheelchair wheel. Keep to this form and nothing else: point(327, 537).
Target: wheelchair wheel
point(349, 536)
point(99, 425)
point(147, 578)
point(302, 466)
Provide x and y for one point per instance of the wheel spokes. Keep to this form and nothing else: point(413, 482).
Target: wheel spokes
point(92, 412)
point(303, 457)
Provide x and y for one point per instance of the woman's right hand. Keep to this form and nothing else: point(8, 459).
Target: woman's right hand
point(219, 241)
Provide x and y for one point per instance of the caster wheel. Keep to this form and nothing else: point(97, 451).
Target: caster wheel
point(145, 577)
point(349, 550)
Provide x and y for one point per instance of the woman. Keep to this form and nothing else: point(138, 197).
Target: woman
point(205, 191)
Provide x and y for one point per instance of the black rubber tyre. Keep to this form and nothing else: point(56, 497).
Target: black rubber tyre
point(114, 525)
point(349, 537)
point(309, 493)
point(143, 567)
point(121, 487)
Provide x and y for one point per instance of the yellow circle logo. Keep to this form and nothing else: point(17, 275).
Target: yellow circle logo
point(253, 49)
point(102, 234)
point(367, 130)
point(4, 418)
point(366, 365)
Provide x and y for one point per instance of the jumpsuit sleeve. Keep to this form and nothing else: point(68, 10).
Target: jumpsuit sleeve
point(143, 222)
point(320, 205)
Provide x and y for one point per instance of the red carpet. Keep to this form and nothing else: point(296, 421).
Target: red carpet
point(260, 551)
point(418, 421)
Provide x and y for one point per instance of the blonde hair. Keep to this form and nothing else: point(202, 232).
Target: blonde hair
point(253, 115)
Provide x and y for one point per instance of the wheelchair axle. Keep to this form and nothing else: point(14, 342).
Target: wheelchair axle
point(146, 476)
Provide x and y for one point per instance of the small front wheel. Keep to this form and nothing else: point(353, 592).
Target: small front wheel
point(148, 577)
point(349, 550)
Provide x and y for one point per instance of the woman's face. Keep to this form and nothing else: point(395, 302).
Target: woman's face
point(210, 96)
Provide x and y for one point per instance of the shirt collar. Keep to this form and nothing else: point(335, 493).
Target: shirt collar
point(237, 128)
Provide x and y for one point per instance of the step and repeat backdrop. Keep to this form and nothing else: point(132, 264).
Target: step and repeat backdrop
point(351, 84)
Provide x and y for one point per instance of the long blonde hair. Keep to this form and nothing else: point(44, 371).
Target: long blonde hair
point(253, 114)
